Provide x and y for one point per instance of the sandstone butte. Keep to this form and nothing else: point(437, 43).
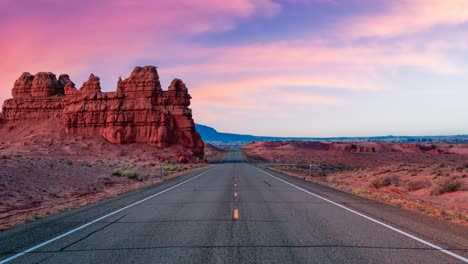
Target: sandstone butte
point(138, 112)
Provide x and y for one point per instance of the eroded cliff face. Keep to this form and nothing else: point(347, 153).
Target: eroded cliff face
point(139, 111)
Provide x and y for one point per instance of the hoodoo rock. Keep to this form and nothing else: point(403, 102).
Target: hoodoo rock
point(23, 85)
point(46, 84)
point(138, 112)
point(64, 80)
point(143, 82)
point(92, 86)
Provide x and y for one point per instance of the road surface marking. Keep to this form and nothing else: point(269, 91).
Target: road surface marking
point(373, 220)
point(99, 219)
point(235, 184)
point(235, 194)
point(236, 214)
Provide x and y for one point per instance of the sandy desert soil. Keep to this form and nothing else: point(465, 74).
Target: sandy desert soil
point(428, 180)
point(44, 171)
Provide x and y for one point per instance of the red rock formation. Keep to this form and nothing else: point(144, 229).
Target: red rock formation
point(46, 84)
point(23, 85)
point(139, 111)
point(144, 81)
point(64, 80)
point(92, 86)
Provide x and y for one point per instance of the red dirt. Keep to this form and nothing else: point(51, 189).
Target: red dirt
point(44, 170)
point(412, 172)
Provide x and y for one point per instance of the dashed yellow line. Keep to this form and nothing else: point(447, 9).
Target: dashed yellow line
point(235, 194)
point(236, 214)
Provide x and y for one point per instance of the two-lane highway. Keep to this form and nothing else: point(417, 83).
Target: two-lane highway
point(232, 213)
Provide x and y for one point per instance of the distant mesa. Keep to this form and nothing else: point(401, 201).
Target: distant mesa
point(139, 111)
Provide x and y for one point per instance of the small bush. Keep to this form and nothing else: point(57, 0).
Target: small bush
point(117, 172)
point(465, 165)
point(171, 168)
point(130, 174)
point(446, 185)
point(68, 162)
point(384, 181)
point(416, 185)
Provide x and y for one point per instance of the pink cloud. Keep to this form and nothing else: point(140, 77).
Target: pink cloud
point(108, 37)
point(408, 17)
point(72, 36)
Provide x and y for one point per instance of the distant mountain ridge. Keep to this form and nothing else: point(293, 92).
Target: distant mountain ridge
point(212, 136)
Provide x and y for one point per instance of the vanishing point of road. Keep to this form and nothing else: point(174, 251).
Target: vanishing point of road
point(236, 212)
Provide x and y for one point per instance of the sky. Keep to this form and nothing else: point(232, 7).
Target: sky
point(305, 68)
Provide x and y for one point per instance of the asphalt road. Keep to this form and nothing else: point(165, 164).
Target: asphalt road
point(236, 213)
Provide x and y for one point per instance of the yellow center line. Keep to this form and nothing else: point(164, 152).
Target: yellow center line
point(235, 194)
point(236, 214)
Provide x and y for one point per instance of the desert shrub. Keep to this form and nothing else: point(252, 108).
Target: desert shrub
point(130, 174)
point(117, 172)
point(171, 168)
point(384, 181)
point(416, 185)
point(465, 165)
point(68, 162)
point(446, 185)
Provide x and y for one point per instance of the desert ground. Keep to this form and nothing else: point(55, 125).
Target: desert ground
point(431, 179)
point(44, 171)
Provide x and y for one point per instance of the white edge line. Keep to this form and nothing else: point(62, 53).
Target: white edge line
point(99, 219)
point(373, 220)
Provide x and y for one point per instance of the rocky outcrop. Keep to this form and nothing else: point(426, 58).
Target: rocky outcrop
point(143, 82)
point(23, 85)
point(139, 111)
point(92, 86)
point(46, 84)
point(64, 80)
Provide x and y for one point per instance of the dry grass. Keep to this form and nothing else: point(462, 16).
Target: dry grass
point(385, 181)
point(446, 185)
point(415, 185)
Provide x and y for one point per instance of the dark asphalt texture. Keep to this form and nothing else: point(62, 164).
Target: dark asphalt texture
point(194, 222)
